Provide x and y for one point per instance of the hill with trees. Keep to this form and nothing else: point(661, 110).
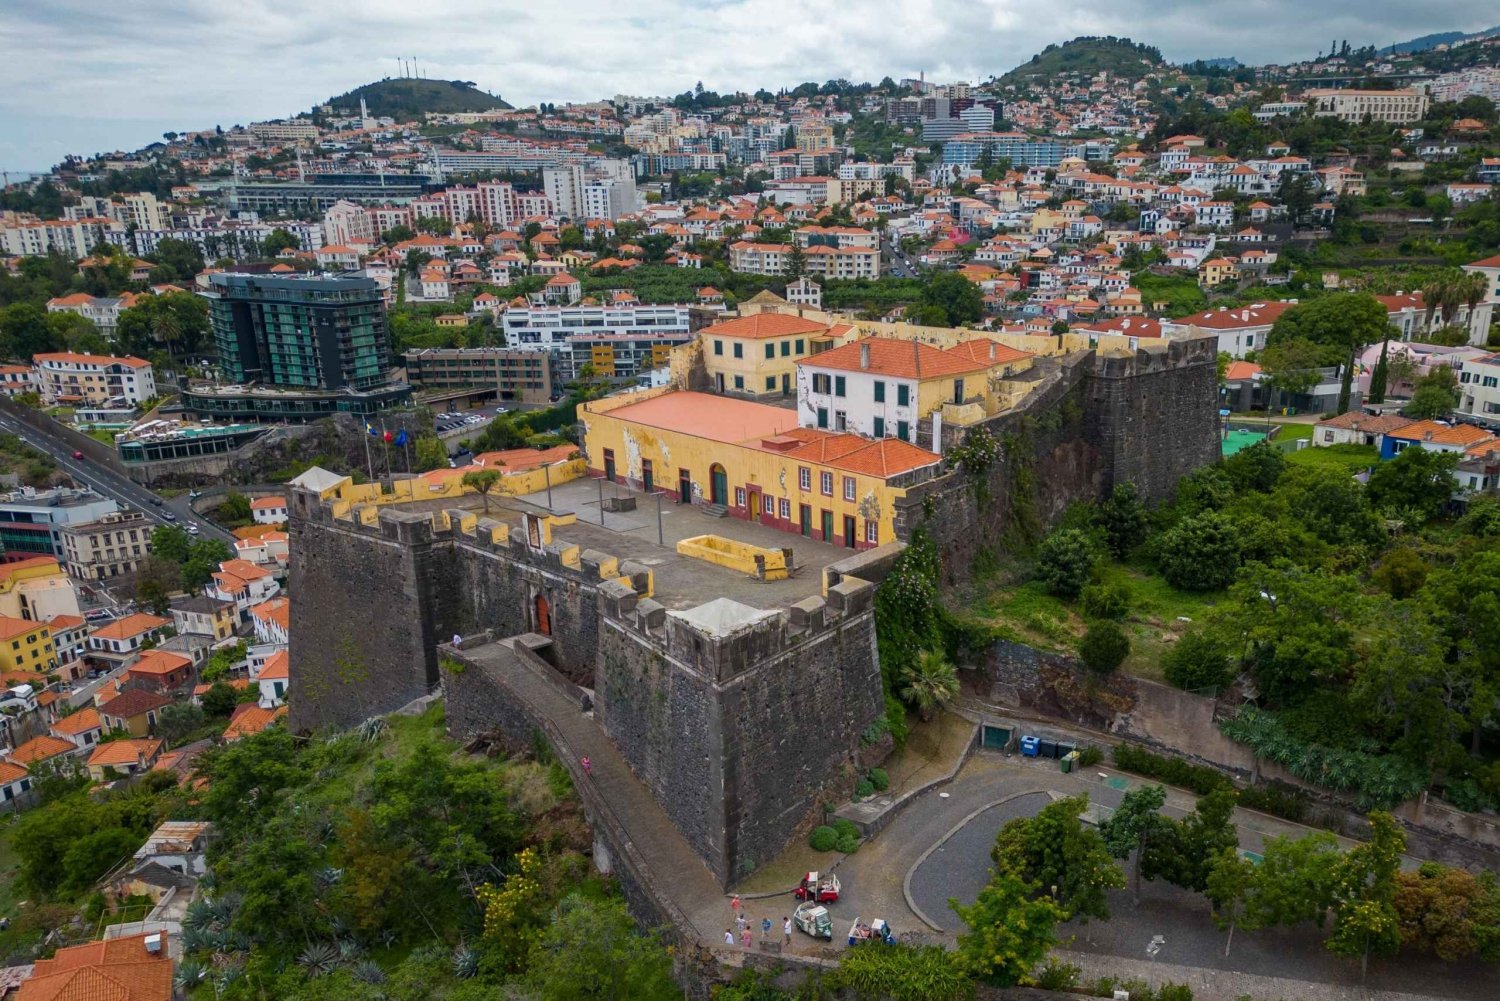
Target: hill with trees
point(1432, 41)
point(404, 98)
point(1088, 55)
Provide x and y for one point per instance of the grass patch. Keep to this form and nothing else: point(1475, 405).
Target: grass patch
point(1293, 432)
point(1349, 458)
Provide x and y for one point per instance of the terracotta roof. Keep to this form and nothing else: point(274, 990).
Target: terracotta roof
point(8, 570)
point(1439, 433)
point(238, 684)
point(10, 628)
point(1488, 262)
point(277, 610)
point(897, 358)
point(1128, 326)
point(11, 773)
point(243, 569)
point(134, 702)
point(159, 662)
point(1369, 423)
point(130, 625)
point(41, 748)
point(79, 359)
point(1240, 370)
point(988, 352)
point(704, 415)
point(77, 723)
point(250, 719)
point(851, 453)
point(266, 503)
point(1256, 315)
point(517, 459)
point(761, 325)
point(125, 752)
point(278, 667)
point(61, 622)
point(118, 969)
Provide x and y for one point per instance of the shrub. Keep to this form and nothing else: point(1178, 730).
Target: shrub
point(895, 719)
point(1173, 992)
point(1277, 799)
point(824, 839)
point(864, 789)
point(845, 828)
point(1065, 561)
point(1106, 601)
point(1057, 976)
point(1173, 771)
point(1089, 755)
point(847, 845)
point(1200, 553)
point(879, 779)
point(1104, 647)
point(1197, 661)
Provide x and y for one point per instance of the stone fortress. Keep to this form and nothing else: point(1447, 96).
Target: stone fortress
point(738, 703)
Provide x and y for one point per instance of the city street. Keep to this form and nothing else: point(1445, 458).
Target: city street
point(111, 484)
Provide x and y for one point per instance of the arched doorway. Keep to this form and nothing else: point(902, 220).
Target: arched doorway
point(718, 490)
point(543, 616)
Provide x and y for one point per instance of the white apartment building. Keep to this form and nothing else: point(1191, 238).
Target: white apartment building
point(610, 198)
point(69, 237)
point(1241, 329)
point(1394, 106)
point(552, 328)
point(564, 187)
point(285, 131)
point(65, 376)
point(1479, 388)
point(825, 261)
point(345, 223)
point(835, 236)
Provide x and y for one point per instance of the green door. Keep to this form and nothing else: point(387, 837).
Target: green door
point(807, 520)
point(718, 486)
point(827, 526)
point(997, 737)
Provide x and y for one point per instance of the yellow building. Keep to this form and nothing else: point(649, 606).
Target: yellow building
point(25, 646)
point(753, 460)
point(36, 588)
point(757, 355)
point(1218, 270)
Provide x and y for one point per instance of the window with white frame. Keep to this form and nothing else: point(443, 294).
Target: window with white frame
point(804, 478)
point(739, 496)
point(872, 531)
point(786, 508)
point(848, 488)
point(826, 482)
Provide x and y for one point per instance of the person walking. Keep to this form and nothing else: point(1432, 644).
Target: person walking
point(741, 922)
point(745, 937)
point(786, 930)
point(765, 929)
point(734, 904)
point(728, 937)
point(588, 766)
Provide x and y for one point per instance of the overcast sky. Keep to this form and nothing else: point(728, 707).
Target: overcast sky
point(90, 75)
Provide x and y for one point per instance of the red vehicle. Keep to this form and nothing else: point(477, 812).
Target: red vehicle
point(823, 889)
point(77, 455)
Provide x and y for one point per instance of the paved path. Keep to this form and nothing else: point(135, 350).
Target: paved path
point(611, 787)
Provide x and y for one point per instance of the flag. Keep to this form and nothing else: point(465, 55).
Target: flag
point(401, 438)
point(386, 436)
point(370, 429)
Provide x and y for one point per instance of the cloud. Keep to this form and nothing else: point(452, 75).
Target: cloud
point(101, 76)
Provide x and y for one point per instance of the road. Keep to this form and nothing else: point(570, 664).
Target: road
point(901, 266)
point(112, 484)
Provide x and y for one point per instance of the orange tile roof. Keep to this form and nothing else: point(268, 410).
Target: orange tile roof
point(118, 969)
point(80, 359)
point(79, 722)
point(1238, 370)
point(41, 748)
point(278, 667)
point(125, 752)
point(704, 415)
point(881, 458)
point(60, 622)
point(243, 569)
point(1255, 315)
point(1438, 433)
point(159, 662)
point(897, 358)
point(134, 702)
point(130, 625)
point(988, 352)
point(266, 503)
point(11, 773)
point(9, 569)
point(10, 627)
point(277, 610)
point(517, 459)
point(761, 325)
point(1488, 262)
point(250, 719)
point(1368, 423)
point(238, 684)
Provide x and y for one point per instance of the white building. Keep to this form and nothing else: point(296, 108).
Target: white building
point(1394, 106)
point(610, 198)
point(65, 376)
point(1241, 329)
point(564, 187)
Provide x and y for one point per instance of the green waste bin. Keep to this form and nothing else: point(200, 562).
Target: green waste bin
point(1068, 759)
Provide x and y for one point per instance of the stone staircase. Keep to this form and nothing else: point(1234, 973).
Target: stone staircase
point(716, 510)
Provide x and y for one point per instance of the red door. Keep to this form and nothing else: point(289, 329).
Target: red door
point(543, 616)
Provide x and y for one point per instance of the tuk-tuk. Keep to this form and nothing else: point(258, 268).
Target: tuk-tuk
point(814, 920)
point(876, 931)
point(819, 888)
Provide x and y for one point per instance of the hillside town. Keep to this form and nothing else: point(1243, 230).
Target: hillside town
point(451, 549)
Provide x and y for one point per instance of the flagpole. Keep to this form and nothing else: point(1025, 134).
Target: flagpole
point(385, 445)
point(369, 461)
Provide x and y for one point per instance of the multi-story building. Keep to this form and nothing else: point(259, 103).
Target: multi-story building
point(881, 387)
point(15, 380)
point(103, 311)
point(31, 521)
point(26, 646)
point(622, 339)
point(610, 198)
point(114, 545)
point(285, 131)
point(37, 588)
point(517, 375)
point(66, 377)
point(69, 237)
point(298, 348)
point(828, 262)
point(122, 641)
point(966, 148)
point(201, 615)
point(758, 354)
point(1395, 106)
point(1240, 329)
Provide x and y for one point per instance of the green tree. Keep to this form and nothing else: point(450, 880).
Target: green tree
point(1104, 647)
point(1124, 518)
point(1256, 469)
point(1419, 480)
point(1137, 830)
point(1340, 325)
point(1290, 368)
point(219, 700)
point(1065, 561)
point(1065, 858)
point(430, 453)
point(234, 509)
point(482, 481)
point(930, 683)
point(1230, 878)
point(175, 322)
point(434, 225)
point(1329, 503)
point(1010, 930)
point(1200, 553)
point(1198, 662)
point(1294, 883)
point(593, 952)
point(24, 331)
point(1448, 913)
point(960, 299)
point(1435, 395)
point(176, 721)
point(277, 241)
point(176, 260)
point(1380, 378)
point(901, 973)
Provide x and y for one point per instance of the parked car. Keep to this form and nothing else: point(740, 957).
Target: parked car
point(77, 454)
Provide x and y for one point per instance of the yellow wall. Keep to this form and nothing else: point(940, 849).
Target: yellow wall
point(529, 481)
point(740, 556)
point(12, 586)
point(29, 651)
point(765, 472)
point(754, 367)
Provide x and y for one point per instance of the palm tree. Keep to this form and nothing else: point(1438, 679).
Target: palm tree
point(1434, 294)
point(930, 683)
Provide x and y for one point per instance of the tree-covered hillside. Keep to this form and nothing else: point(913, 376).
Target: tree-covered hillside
point(1086, 56)
point(405, 99)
